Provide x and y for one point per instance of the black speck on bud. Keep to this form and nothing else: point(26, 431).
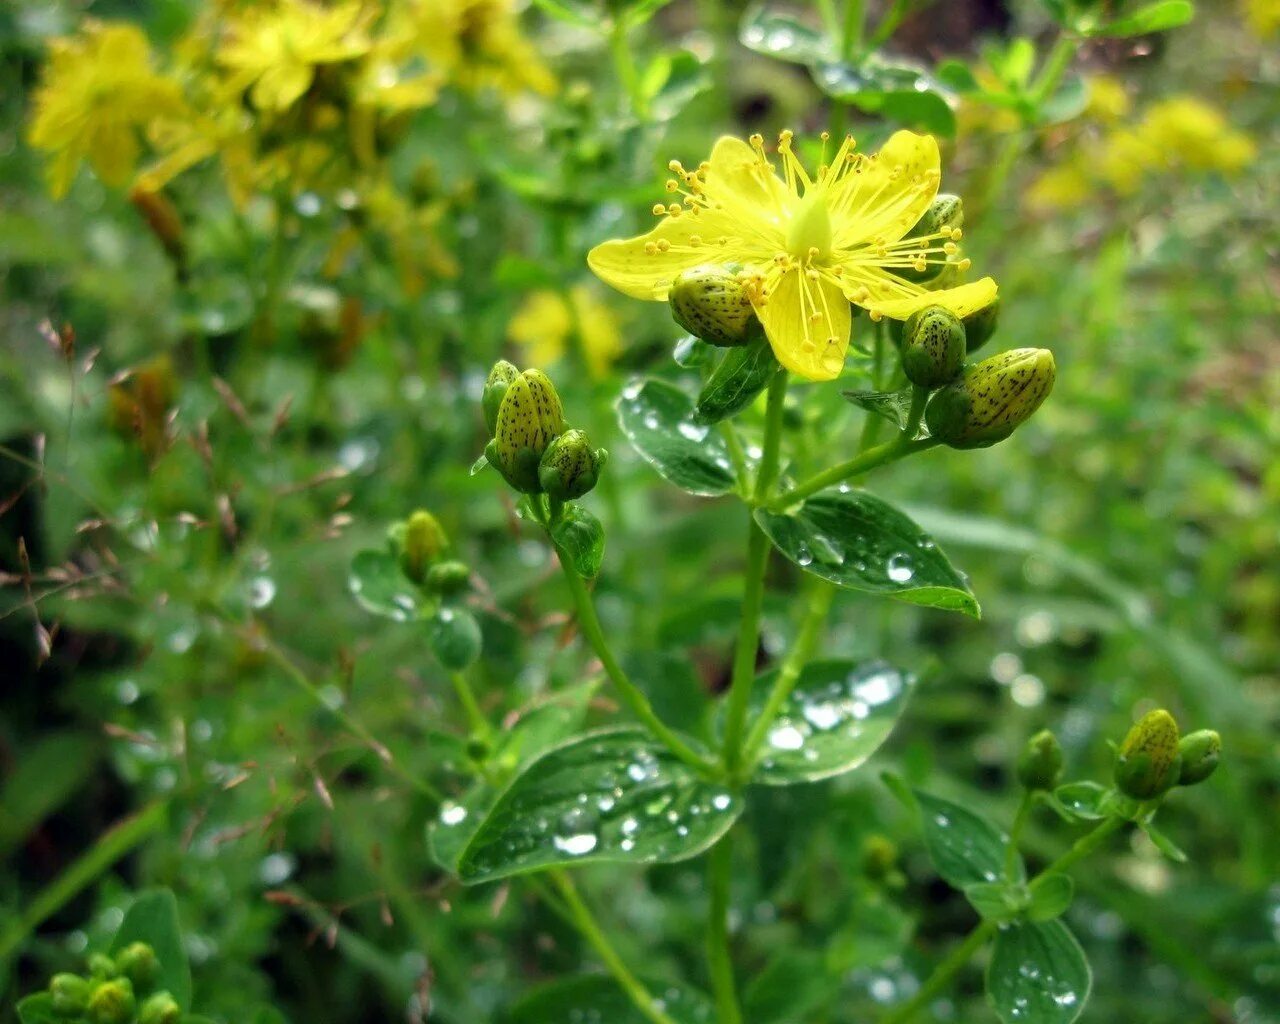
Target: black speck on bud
point(448, 578)
point(70, 994)
point(1149, 763)
point(933, 347)
point(495, 389)
point(112, 1002)
point(570, 467)
point(137, 962)
point(991, 399)
point(711, 302)
point(980, 326)
point(160, 1008)
point(1201, 751)
point(1040, 763)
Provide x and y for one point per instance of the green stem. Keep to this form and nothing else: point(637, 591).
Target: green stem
point(466, 697)
point(719, 957)
point(890, 22)
point(772, 435)
point(881, 455)
point(799, 655)
point(624, 65)
point(1054, 67)
point(851, 34)
point(1015, 835)
point(919, 398)
point(631, 694)
point(736, 455)
point(591, 931)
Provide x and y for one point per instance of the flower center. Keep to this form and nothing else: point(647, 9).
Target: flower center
point(810, 227)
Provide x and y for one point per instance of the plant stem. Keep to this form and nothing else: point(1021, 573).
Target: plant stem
point(624, 65)
point(851, 35)
point(736, 455)
point(1054, 67)
point(466, 697)
point(591, 931)
point(919, 398)
point(1015, 834)
point(631, 694)
point(719, 959)
point(888, 452)
point(772, 435)
point(801, 651)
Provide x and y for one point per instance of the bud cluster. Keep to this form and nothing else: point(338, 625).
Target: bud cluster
point(531, 445)
point(421, 546)
point(1153, 757)
point(117, 990)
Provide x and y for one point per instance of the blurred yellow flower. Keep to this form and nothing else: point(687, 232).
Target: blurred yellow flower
point(277, 48)
point(98, 89)
point(1108, 100)
point(478, 44)
point(545, 322)
point(1188, 131)
point(1263, 17)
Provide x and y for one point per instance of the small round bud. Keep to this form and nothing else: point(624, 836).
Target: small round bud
point(137, 962)
point(933, 347)
point(1200, 752)
point(495, 388)
point(980, 326)
point(70, 994)
point(1149, 762)
point(160, 1008)
point(112, 1002)
point(991, 399)
point(945, 213)
point(421, 542)
point(570, 467)
point(448, 578)
point(879, 856)
point(1040, 763)
point(102, 966)
point(529, 419)
point(711, 303)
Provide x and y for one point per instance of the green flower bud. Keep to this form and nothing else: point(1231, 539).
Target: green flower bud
point(711, 303)
point(112, 1002)
point(980, 326)
point(448, 578)
point(70, 994)
point(1149, 762)
point(570, 466)
point(933, 347)
point(529, 419)
point(137, 962)
point(1200, 752)
point(879, 856)
point(495, 388)
point(1040, 763)
point(160, 1008)
point(945, 213)
point(421, 541)
point(102, 966)
point(991, 399)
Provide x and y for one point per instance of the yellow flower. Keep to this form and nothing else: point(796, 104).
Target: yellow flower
point(1190, 132)
point(478, 44)
point(808, 246)
point(1108, 100)
point(544, 323)
point(97, 90)
point(277, 48)
point(1263, 17)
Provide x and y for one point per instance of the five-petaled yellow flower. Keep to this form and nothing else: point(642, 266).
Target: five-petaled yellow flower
point(808, 247)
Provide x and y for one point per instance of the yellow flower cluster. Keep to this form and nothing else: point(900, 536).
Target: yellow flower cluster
point(547, 320)
point(1263, 17)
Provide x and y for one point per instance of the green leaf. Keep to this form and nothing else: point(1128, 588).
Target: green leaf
point(1067, 102)
point(1051, 896)
point(1038, 974)
point(380, 587)
point(1015, 62)
point(956, 76)
point(965, 848)
point(573, 12)
point(672, 81)
point(595, 997)
point(693, 353)
point(894, 406)
point(1085, 801)
point(856, 540)
point(790, 987)
point(153, 919)
point(642, 10)
point(743, 373)
point(455, 637)
point(900, 92)
point(580, 536)
point(611, 796)
point(836, 717)
point(1156, 17)
point(38, 1009)
point(45, 773)
point(997, 901)
point(1163, 843)
point(657, 418)
point(480, 465)
point(780, 35)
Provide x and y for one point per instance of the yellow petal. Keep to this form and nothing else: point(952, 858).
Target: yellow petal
point(962, 301)
point(280, 86)
point(636, 270)
point(814, 349)
point(738, 177)
point(889, 194)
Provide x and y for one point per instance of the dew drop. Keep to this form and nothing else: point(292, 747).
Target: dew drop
point(577, 845)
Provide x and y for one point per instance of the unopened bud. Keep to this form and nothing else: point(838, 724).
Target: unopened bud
point(933, 347)
point(1200, 752)
point(137, 962)
point(70, 994)
point(1149, 762)
point(879, 856)
point(711, 303)
point(945, 213)
point(448, 578)
point(529, 419)
point(112, 1002)
point(421, 542)
point(1040, 763)
point(495, 389)
point(991, 399)
point(980, 326)
point(102, 966)
point(160, 1008)
point(570, 467)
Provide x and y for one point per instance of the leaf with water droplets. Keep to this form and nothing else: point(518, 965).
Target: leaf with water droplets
point(858, 541)
point(580, 536)
point(836, 717)
point(965, 848)
point(900, 92)
point(657, 418)
point(597, 999)
point(1081, 801)
point(894, 406)
point(1038, 974)
point(742, 374)
point(781, 35)
point(379, 586)
point(614, 796)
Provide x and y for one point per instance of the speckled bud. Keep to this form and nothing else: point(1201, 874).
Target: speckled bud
point(1040, 763)
point(570, 466)
point(711, 303)
point(1200, 752)
point(137, 962)
point(421, 540)
point(1149, 762)
point(945, 213)
point(70, 994)
point(112, 1002)
point(933, 347)
point(160, 1008)
point(495, 389)
point(448, 578)
point(529, 419)
point(980, 326)
point(991, 399)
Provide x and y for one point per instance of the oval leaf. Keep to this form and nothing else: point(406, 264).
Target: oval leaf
point(609, 796)
point(836, 717)
point(742, 374)
point(379, 586)
point(595, 997)
point(900, 92)
point(1050, 896)
point(855, 540)
point(1084, 801)
point(1038, 974)
point(38, 1009)
point(657, 418)
point(455, 637)
point(1156, 17)
point(580, 536)
point(153, 919)
point(965, 848)
point(782, 36)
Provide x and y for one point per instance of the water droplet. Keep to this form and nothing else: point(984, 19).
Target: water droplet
point(721, 801)
point(452, 814)
point(576, 845)
point(692, 432)
point(786, 737)
point(900, 568)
